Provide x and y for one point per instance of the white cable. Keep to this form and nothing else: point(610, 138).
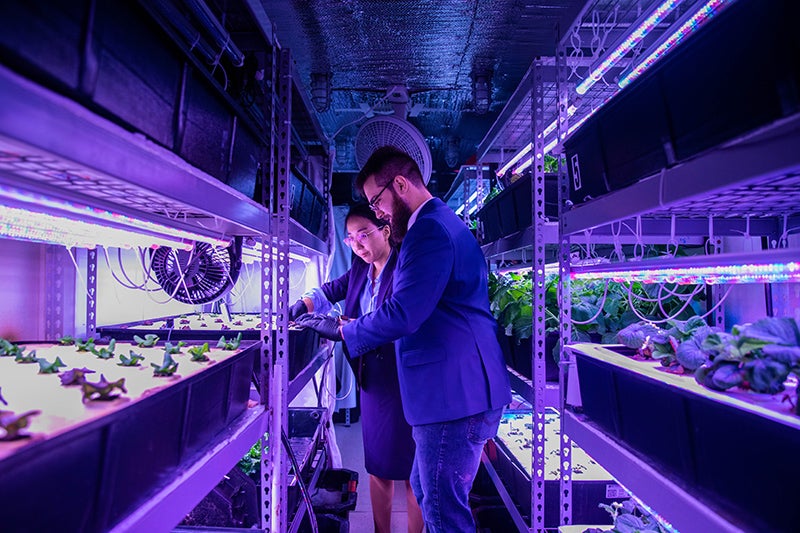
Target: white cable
point(78, 272)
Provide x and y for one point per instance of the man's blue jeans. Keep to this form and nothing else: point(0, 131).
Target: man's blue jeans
point(445, 464)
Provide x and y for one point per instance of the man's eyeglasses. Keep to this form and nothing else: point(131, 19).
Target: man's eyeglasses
point(373, 204)
point(361, 238)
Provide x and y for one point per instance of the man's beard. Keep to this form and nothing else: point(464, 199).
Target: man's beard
point(401, 214)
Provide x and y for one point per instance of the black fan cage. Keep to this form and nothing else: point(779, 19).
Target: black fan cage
point(199, 276)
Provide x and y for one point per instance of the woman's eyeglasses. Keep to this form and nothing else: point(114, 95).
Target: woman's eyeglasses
point(361, 237)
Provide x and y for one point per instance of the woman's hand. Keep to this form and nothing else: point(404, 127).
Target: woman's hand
point(326, 326)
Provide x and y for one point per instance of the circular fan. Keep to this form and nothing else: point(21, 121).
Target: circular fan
point(392, 131)
point(199, 276)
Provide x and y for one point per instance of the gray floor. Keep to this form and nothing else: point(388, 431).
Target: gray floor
point(352, 449)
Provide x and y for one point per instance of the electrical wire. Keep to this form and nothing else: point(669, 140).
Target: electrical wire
point(599, 308)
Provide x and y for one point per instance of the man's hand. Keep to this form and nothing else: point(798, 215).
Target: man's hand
point(326, 326)
point(298, 308)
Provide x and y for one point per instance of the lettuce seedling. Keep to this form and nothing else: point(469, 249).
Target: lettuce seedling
point(167, 368)
point(133, 360)
point(148, 341)
point(106, 353)
point(85, 346)
point(174, 349)
point(66, 341)
point(198, 353)
point(13, 424)
point(75, 376)
point(102, 390)
point(46, 367)
point(26, 359)
point(9, 349)
point(233, 344)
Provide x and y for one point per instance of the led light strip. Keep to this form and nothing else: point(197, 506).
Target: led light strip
point(627, 45)
point(747, 273)
point(23, 224)
point(127, 230)
point(519, 155)
point(703, 15)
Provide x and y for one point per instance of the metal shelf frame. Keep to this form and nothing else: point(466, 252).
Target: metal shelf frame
point(52, 146)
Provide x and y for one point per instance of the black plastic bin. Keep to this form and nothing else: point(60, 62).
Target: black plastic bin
point(335, 492)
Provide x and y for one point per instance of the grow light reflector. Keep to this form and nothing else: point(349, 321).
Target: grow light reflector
point(766, 267)
point(627, 45)
point(703, 15)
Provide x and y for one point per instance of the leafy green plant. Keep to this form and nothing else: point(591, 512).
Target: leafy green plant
point(66, 341)
point(102, 390)
point(232, 344)
point(13, 424)
point(167, 368)
point(758, 356)
point(9, 349)
point(74, 376)
point(251, 462)
point(106, 352)
point(26, 359)
point(85, 346)
point(46, 367)
point(174, 349)
point(676, 345)
point(198, 353)
point(132, 360)
point(148, 341)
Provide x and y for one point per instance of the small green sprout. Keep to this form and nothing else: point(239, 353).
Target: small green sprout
point(102, 390)
point(46, 367)
point(233, 344)
point(26, 359)
point(106, 353)
point(9, 349)
point(13, 424)
point(85, 346)
point(198, 353)
point(66, 341)
point(167, 368)
point(174, 348)
point(74, 376)
point(133, 360)
point(148, 341)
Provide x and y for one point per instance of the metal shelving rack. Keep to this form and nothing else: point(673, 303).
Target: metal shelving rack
point(53, 148)
point(752, 185)
point(544, 95)
point(748, 186)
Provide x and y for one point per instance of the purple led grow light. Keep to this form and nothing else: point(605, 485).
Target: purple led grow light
point(773, 266)
point(627, 45)
point(703, 15)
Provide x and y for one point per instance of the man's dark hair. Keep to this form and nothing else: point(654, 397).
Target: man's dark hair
point(387, 162)
point(364, 211)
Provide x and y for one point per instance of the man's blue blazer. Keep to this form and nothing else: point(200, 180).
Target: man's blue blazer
point(449, 361)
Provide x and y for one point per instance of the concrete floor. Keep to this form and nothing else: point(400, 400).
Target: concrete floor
point(352, 449)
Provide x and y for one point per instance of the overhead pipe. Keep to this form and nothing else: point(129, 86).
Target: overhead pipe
point(220, 35)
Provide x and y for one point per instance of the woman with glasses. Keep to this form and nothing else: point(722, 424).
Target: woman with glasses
point(388, 444)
